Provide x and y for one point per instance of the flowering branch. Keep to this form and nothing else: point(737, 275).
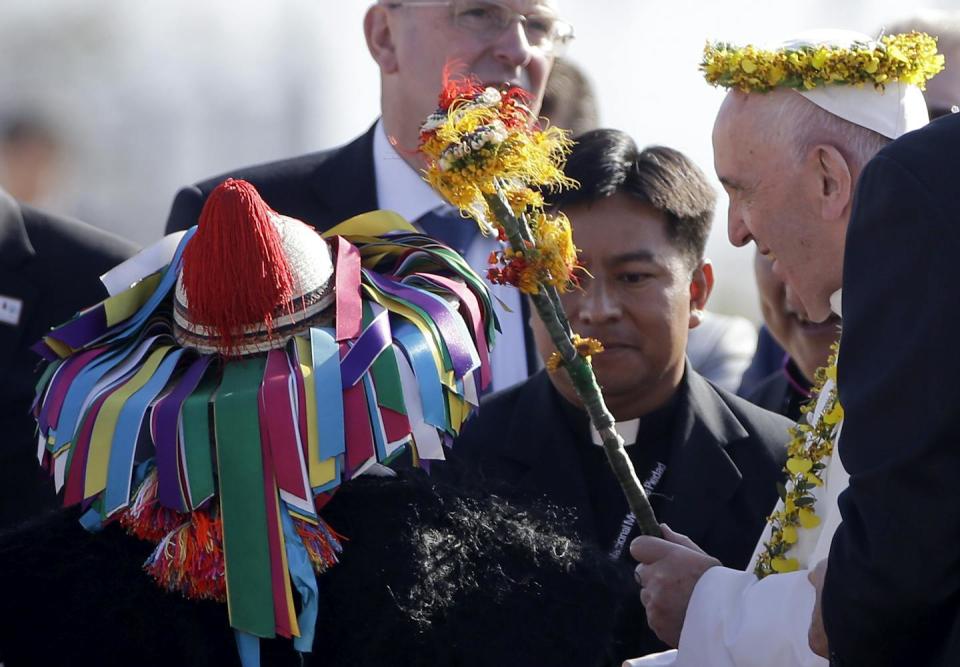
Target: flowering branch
point(489, 161)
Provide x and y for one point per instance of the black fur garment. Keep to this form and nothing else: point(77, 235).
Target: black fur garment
point(428, 577)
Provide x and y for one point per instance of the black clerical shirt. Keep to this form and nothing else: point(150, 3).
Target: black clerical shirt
point(649, 453)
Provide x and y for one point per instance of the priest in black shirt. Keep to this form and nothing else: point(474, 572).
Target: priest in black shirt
point(709, 460)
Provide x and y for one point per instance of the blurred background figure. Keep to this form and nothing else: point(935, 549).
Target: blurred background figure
point(30, 158)
point(806, 344)
point(943, 91)
point(569, 101)
point(722, 347)
point(50, 268)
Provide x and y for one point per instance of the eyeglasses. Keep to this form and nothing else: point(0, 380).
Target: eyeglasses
point(488, 19)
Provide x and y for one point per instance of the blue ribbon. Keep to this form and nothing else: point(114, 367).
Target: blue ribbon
point(419, 354)
point(124, 445)
point(168, 280)
point(304, 580)
point(327, 389)
point(376, 423)
point(78, 392)
point(248, 647)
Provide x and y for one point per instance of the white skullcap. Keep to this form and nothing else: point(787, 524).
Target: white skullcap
point(897, 109)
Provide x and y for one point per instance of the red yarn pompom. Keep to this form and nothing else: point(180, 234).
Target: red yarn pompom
point(235, 273)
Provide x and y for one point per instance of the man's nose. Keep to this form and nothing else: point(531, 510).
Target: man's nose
point(512, 47)
point(737, 228)
point(598, 304)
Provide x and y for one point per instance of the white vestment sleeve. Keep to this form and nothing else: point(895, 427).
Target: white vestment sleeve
point(736, 620)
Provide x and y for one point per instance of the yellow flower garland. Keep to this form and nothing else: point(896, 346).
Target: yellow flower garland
point(911, 58)
point(810, 447)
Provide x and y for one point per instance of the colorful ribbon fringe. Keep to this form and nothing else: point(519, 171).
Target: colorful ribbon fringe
point(239, 454)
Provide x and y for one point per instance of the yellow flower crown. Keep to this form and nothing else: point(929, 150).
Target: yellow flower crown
point(910, 58)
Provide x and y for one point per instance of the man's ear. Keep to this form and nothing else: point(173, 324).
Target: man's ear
point(834, 181)
point(376, 29)
point(701, 284)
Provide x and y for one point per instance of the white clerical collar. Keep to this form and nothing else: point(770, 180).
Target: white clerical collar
point(400, 188)
point(627, 430)
point(835, 299)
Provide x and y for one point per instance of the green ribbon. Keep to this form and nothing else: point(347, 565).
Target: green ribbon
point(198, 460)
point(385, 374)
point(242, 500)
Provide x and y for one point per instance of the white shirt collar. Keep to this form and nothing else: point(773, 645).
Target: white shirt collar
point(835, 299)
point(400, 188)
point(627, 430)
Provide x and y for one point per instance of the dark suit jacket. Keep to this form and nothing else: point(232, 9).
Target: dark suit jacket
point(892, 593)
point(52, 266)
point(321, 189)
point(721, 481)
point(784, 391)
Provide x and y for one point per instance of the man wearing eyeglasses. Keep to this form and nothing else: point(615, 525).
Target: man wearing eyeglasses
point(501, 42)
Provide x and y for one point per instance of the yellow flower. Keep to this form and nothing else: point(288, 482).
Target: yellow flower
point(775, 75)
point(799, 466)
point(819, 58)
point(554, 362)
point(790, 534)
point(586, 348)
point(556, 256)
point(835, 416)
point(784, 565)
point(807, 518)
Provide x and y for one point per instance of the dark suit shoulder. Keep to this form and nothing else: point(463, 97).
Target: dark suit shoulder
point(752, 414)
point(321, 188)
point(286, 172)
point(284, 185)
point(281, 183)
point(769, 428)
point(769, 391)
point(930, 155)
point(63, 274)
point(926, 147)
point(54, 237)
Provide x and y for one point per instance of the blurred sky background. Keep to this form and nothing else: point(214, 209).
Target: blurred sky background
point(148, 95)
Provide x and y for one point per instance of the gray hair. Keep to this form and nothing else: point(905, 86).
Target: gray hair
point(810, 125)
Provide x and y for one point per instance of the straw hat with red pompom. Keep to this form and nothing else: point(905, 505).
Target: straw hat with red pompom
point(252, 367)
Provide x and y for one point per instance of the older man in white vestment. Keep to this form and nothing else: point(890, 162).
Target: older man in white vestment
point(789, 161)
